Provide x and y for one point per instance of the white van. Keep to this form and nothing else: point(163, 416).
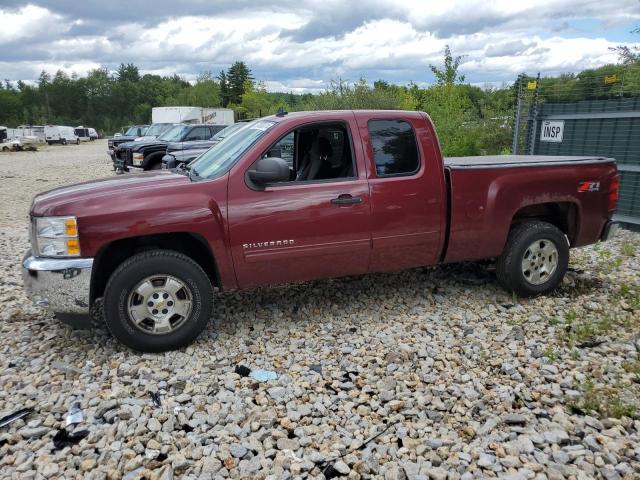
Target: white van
point(60, 134)
point(82, 133)
point(93, 135)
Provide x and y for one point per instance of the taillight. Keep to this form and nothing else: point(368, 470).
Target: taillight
point(614, 187)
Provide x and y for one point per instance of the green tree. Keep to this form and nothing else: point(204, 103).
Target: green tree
point(448, 75)
point(237, 77)
point(224, 88)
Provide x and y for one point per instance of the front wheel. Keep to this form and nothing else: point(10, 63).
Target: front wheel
point(157, 301)
point(63, 141)
point(534, 260)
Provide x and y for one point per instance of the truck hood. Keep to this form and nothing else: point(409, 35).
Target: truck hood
point(96, 194)
point(141, 144)
point(195, 144)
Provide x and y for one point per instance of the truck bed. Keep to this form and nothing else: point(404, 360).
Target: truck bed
point(488, 192)
point(497, 161)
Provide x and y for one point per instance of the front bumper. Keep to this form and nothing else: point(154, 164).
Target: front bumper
point(58, 284)
point(609, 230)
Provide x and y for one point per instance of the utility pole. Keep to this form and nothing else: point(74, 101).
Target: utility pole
point(516, 124)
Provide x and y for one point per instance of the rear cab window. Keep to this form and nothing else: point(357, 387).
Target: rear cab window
point(395, 148)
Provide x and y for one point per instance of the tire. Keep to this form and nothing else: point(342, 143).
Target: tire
point(78, 141)
point(156, 166)
point(49, 143)
point(180, 313)
point(5, 149)
point(63, 141)
point(534, 260)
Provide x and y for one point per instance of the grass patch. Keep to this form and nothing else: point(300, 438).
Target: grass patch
point(605, 401)
point(628, 249)
point(550, 354)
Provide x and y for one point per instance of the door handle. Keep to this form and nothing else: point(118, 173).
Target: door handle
point(346, 199)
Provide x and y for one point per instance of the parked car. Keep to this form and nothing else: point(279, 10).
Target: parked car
point(10, 145)
point(93, 135)
point(131, 133)
point(60, 134)
point(147, 154)
point(366, 191)
point(187, 151)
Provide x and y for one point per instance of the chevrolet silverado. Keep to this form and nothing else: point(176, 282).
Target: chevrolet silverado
point(361, 191)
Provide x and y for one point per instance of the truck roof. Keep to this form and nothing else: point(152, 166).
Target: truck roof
point(330, 113)
point(498, 161)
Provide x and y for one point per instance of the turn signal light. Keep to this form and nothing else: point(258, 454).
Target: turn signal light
point(73, 246)
point(70, 227)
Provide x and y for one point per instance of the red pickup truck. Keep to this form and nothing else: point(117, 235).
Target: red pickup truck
point(302, 196)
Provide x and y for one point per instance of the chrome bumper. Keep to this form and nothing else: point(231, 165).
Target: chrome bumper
point(58, 284)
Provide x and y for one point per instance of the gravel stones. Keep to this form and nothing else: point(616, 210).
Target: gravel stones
point(419, 374)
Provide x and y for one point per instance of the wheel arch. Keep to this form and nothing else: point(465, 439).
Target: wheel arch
point(564, 215)
point(153, 158)
point(111, 255)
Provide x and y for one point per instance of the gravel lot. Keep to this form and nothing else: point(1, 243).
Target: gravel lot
point(421, 374)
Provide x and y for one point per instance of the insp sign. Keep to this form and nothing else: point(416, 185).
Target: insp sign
point(552, 131)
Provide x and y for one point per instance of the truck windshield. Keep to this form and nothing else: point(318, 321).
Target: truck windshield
point(221, 157)
point(133, 131)
point(157, 128)
point(174, 134)
point(225, 132)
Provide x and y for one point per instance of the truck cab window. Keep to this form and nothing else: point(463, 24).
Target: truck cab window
point(198, 133)
point(316, 152)
point(395, 149)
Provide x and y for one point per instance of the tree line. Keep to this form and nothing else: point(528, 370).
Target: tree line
point(470, 120)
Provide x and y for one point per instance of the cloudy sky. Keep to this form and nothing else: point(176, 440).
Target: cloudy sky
point(302, 44)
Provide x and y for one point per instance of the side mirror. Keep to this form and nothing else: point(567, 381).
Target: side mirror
point(269, 170)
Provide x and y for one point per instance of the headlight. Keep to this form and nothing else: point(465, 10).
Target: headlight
point(56, 237)
point(138, 158)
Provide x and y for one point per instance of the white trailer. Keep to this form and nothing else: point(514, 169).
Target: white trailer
point(60, 134)
point(214, 116)
point(33, 131)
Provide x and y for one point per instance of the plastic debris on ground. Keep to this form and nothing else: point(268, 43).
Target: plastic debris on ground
point(263, 375)
point(242, 370)
point(12, 417)
point(155, 398)
point(64, 439)
point(74, 415)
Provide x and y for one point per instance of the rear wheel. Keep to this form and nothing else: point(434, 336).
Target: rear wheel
point(534, 260)
point(157, 301)
point(63, 141)
point(77, 141)
point(5, 149)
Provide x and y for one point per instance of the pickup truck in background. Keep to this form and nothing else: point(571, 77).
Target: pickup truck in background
point(185, 152)
point(146, 154)
point(133, 132)
point(363, 191)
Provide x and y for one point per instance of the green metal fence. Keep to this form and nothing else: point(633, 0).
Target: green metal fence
point(603, 127)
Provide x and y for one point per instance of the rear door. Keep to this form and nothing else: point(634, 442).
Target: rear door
point(407, 190)
point(305, 228)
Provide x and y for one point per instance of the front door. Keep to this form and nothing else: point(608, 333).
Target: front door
point(317, 224)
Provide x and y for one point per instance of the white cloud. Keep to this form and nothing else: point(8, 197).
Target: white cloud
point(28, 22)
point(301, 45)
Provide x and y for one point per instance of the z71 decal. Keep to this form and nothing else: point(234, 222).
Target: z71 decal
point(588, 187)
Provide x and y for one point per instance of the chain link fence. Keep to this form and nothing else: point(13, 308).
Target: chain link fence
point(596, 115)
